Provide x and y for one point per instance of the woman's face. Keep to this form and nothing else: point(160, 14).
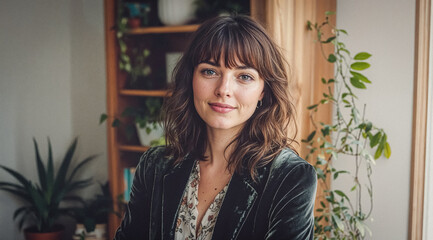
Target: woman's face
point(225, 98)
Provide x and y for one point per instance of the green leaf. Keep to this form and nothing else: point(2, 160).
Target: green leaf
point(61, 174)
point(338, 222)
point(50, 167)
point(343, 31)
point(375, 140)
point(19, 211)
point(340, 193)
point(146, 53)
point(329, 39)
point(309, 26)
point(322, 204)
point(40, 167)
point(360, 226)
point(362, 56)
point(102, 118)
point(312, 106)
point(122, 46)
point(360, 77)
point(310, 137)
point(115, 123)
point(387, 150)
point(17, 175)
point(356, 83)
point(323, 80)
point(368, 126)
point(80, 165)
point(359, 66)
point(328, 13)
point(378, 152)
point(332, 58)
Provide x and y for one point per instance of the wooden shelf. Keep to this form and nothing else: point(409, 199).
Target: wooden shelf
point(132, 148)
point(163, 29)
point(144, 93)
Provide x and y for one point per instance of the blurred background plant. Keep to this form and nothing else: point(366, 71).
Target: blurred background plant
point(42, 208)
point(206, 9)
point(94, 211)
point(147, 116)
point(342, 214)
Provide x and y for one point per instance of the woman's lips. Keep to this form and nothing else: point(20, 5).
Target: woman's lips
point(221, 108)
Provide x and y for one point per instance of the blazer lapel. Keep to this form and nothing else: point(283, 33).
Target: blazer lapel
point(237, 204)
point(173, 187)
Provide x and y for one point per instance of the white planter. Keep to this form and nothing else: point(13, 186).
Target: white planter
point(145, 138)
point(100, 232)
point(175, 12)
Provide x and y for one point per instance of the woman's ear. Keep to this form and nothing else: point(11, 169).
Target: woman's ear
point(262, 95)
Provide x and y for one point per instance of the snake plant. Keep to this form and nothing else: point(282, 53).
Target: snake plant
point(42, 207)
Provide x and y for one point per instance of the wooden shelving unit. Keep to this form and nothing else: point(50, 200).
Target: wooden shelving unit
point(122, 153)
point(163, 29)
point(143, 93)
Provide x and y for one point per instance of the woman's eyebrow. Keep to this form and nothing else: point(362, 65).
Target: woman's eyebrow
point(242, 67)
point(210, 63)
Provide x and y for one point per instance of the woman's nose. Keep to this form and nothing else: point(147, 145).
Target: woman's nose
point(224, 88)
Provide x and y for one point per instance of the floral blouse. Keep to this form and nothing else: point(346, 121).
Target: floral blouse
point(186, 223)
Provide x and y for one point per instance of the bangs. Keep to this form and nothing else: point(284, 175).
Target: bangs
point(232, 43)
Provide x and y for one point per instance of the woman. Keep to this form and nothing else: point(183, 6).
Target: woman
point(228, 171)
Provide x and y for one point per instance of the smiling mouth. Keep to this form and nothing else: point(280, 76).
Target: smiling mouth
point(221, 108)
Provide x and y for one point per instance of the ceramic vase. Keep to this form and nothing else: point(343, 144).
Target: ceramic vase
point(175, 12)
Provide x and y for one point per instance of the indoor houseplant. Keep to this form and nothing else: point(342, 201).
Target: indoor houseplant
point(43, 200)
point(92, 215)
point(342, 214)
point(145, 120)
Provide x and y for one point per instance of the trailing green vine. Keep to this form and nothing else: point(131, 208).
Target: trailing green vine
point(340, 214)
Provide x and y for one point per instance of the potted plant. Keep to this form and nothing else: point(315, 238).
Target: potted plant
point(92, 215)
point(146, 121)
point(342, 214)
point(43, 200)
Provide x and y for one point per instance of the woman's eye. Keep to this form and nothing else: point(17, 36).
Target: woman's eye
point(208, 72)
point(245, 77)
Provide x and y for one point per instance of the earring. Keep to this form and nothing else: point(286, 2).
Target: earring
point(259, 104)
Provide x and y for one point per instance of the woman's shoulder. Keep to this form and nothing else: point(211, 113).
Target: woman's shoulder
point(289, 163)
point(156, 157)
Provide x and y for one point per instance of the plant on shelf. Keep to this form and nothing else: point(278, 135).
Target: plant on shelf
point(341, 214)
point(206, 9)
point(145, 118)
point(132, 60)
point(43, 200)
point(93, 212)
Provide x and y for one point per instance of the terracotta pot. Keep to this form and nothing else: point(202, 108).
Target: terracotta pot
point(31, 234)
point(134, 22)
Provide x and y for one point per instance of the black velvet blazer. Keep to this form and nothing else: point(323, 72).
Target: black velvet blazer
point(278, 206)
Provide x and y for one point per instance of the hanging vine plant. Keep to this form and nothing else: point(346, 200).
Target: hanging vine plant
point(341, 214)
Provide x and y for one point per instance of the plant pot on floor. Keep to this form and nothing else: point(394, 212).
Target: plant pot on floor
point(100, 232)
point(156, 132)
point(32, 234)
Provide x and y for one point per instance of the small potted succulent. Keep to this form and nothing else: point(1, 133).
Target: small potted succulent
point(42, 208)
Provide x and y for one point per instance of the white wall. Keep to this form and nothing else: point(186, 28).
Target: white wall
point(52, 83)
point(386, 29)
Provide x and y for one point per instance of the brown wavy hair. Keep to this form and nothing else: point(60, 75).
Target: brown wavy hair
point(265, 134)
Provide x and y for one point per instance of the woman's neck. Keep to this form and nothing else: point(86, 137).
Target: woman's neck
point(217, 151)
